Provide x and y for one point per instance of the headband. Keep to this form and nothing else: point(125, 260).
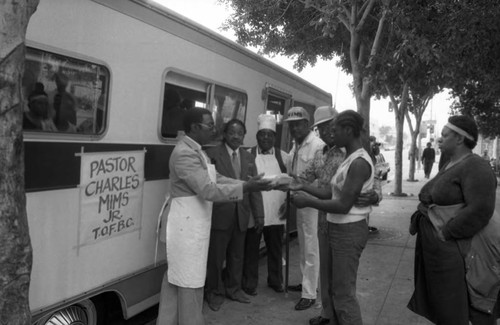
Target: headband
point(459, 131)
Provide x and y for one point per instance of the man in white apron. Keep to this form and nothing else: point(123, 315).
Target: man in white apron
point(194, 185)
point(268, 160)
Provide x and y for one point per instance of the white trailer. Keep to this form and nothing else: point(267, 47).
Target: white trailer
point(95, 183)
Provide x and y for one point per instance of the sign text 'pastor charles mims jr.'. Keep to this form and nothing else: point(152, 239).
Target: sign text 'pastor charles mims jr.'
point(111, 186)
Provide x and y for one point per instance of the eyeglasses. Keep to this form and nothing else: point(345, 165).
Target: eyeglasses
point(208, 126)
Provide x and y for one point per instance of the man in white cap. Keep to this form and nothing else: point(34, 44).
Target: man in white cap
point(269, 160)
point(306, 144)
point(322, 168)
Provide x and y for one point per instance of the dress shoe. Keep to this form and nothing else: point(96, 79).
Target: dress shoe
point(297, 287)
point(319, 320)
point(239, 296)
point(277, 287)
point(214, 301)
point(304, 304)
point(250, 292)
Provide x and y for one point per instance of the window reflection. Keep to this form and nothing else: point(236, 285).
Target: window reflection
point(63, 94)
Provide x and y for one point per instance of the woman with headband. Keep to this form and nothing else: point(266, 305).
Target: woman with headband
point(455, 209)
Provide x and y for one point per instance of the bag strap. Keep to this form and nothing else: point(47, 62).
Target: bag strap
point(277, 153)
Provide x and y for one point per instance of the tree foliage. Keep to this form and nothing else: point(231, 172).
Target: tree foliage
point(407, 50)
point(351, 30)
point(472, 53)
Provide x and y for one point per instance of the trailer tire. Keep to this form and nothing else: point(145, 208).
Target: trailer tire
point(81, 313)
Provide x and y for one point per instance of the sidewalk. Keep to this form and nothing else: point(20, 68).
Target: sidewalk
point(385, 277)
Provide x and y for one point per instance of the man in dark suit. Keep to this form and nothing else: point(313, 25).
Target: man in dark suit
point(230, 220)
point(428, 158)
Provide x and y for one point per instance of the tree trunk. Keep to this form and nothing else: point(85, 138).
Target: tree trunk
point(363, 106)
point(399, 115)
point(361, 83)
point(398, 155)
point(15, 245)
point(411, 154)
point(363, 97)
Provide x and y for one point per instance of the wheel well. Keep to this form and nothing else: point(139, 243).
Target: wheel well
point(108, 306)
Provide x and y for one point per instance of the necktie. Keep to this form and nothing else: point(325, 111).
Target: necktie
point(236, 164)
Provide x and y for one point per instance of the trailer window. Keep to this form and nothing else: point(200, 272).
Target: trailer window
point(183, 92)
point(228, 104)
point(64, 94)
point(176, 101)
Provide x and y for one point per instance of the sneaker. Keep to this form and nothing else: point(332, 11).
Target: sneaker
point(304, 304)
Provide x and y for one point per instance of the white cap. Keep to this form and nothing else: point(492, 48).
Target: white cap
point(324, 114)
point(265, 121)
point(296, 114)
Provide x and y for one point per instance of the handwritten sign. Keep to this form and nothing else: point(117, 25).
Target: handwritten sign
point(111, 185)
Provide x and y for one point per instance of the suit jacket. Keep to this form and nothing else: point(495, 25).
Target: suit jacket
point(189, 175)
point(223, 213)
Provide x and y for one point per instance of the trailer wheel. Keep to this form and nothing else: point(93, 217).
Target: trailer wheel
point(81, 313)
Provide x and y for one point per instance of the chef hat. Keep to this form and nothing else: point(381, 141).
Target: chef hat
point(265, 121)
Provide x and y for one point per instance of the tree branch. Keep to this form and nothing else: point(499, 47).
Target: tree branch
point(366, 12)
point(286, 9)
point(378, 37)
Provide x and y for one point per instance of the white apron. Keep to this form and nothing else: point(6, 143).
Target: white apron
point(188, 237)
point(272, 200)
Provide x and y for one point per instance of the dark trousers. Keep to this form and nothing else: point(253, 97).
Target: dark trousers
point(225, 245)
point(273, 238)
point(428, 167)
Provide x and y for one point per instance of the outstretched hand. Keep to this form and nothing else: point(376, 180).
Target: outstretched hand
point(294, 185)
point(257, 183)
point(297, 184)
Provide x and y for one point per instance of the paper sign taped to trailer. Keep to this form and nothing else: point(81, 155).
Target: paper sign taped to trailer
point(111, 186)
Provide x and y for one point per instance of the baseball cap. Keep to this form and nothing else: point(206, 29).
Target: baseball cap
point(296, 113)
point(324, 114)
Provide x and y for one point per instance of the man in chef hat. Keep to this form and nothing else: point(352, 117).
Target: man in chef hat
point(269, 160)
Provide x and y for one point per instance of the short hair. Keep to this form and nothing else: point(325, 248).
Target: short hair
point(234, 121)
point(467, 124)
point(352, 119)
point(194, 115)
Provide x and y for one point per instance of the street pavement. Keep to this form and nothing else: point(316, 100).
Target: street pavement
point(385, 276)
